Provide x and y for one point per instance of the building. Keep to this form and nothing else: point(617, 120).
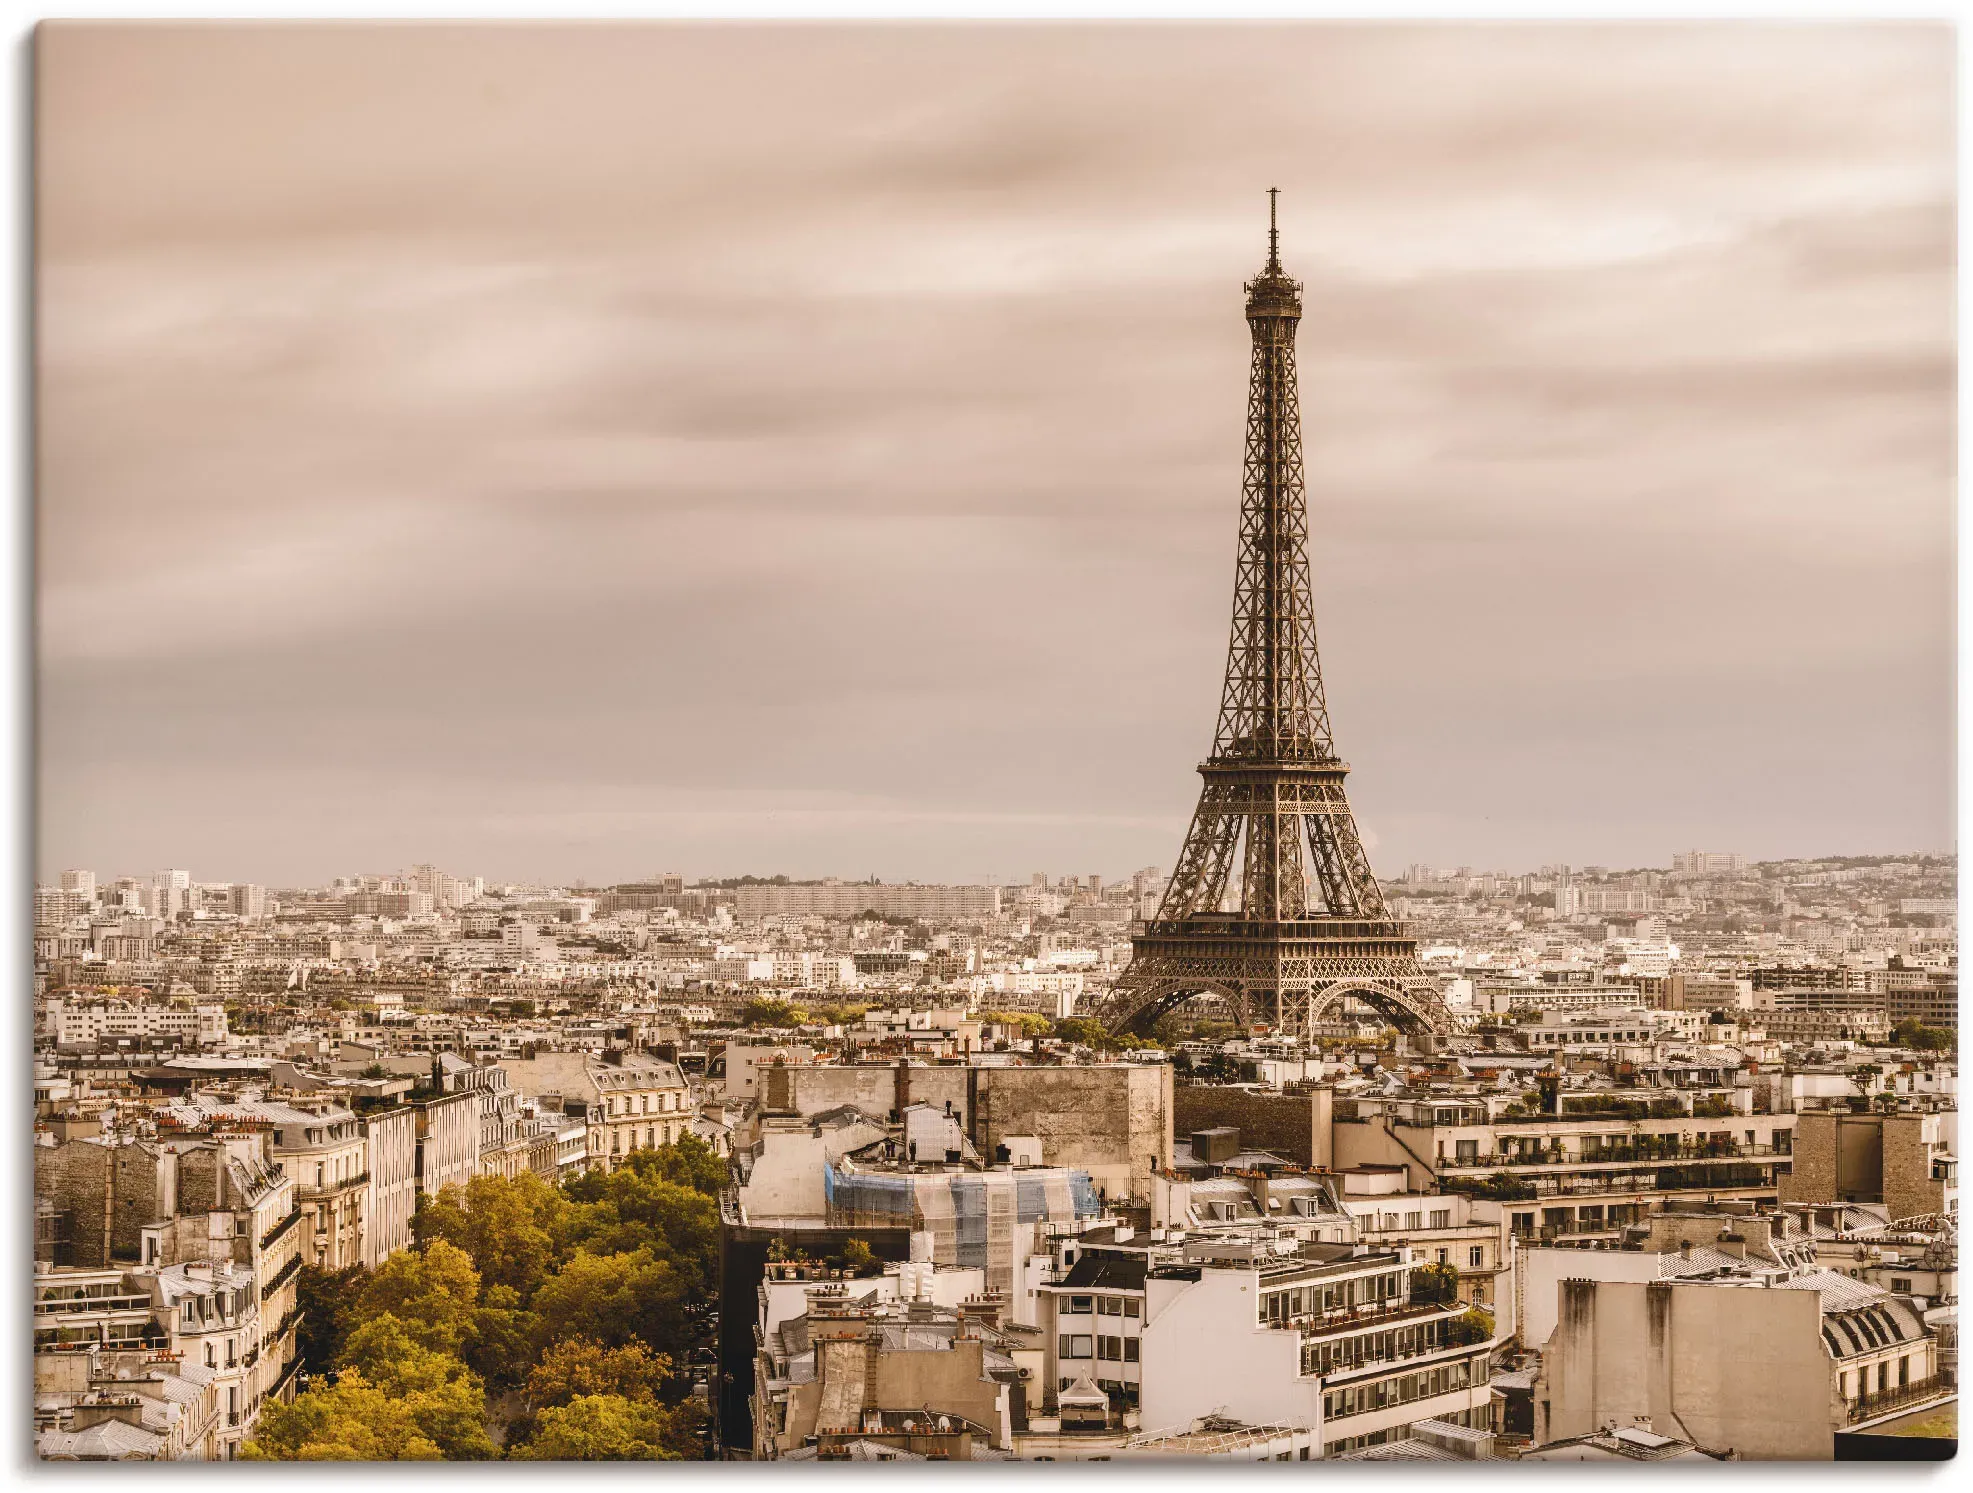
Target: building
point(1607, 1162)
point(189, 1245)
point(1709, 863)
point(1902, 1160)
point(917, 1359)
point(847, 900)
point(80, 1025)
point(1328, 1337)
point(1766, 1374)
point(390, 1140)
point(629, 1101)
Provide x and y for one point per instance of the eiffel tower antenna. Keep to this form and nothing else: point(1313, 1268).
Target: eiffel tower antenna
point(1273, 832)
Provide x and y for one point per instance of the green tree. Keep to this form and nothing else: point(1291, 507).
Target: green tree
point(432, 1291)
point(505, 1224)
point(1084, 1030)
point(582, 1366)
point(637, 1207)
point(357, 1421)
point(326, 1300)
point(1434, 1283)
point(1027, 1023)
point(387, 1354)
point(859, 1259)
point(765, 1011)
point(1474, 1325)
point(616, 1299)
point(686, 1162)
point(500, 1340)
point(600, 1428)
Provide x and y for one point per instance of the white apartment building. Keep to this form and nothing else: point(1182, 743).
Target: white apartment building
point(83, 1026)
point(629, 1100)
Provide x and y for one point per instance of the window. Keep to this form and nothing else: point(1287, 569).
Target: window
point(1898, 1283)
point(1467, 1150)
point(1131, 1350)
point(1111, 1348)
point(1476, 1256)
point(1109, 1306)
point(1442, 1218)
point(1082, 1303)
point(1132, 1306)
point(1444, 1255)
point(1076, 1345)
point(1904, 1372)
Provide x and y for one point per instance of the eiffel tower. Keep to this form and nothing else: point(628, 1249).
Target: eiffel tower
point(1307, 925)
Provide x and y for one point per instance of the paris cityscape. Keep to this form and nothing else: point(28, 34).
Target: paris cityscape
point(1270, 1152)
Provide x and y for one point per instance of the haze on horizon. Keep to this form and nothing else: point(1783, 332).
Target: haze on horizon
point(579, 451)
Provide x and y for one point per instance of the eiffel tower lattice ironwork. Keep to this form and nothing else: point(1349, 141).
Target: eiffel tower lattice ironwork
point(1305, 926)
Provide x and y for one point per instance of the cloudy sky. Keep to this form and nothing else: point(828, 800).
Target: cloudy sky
point(592, 451)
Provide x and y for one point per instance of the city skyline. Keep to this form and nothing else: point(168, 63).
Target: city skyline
point(486, 476)
point(1397, 874)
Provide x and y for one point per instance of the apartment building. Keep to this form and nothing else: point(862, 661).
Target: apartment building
point(1330, 1337)
point(1586, 1174)
point(630, 1101)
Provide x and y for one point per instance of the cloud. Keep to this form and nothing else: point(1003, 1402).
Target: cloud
point(493, 413)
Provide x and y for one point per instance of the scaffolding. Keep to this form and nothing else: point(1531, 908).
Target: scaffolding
point(973, 1217)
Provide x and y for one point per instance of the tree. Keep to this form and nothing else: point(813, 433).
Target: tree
point(432, 1291)
point(845, 1015)
point(1029, 1023)
point(600, 1428)
point(326, 1300)
point(686, 1162)
point(1474, 1325)
point(1921, 1038)
point(616, 1299)
point(503, 1223)
point(636, 1207)
point(770, 1012)
point(500, 1341)
point(387, 1354)
point(357, 1421)
point(1434, 1283)
point(1084, 1030)
point(859, 1259)
point(582, 1366)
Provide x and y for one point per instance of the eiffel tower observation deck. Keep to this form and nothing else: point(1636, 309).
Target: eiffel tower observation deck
point(1304, 926)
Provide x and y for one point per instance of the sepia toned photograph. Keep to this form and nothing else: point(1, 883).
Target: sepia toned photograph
point(993, 742)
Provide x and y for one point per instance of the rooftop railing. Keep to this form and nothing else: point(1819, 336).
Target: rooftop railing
point(1610, 1156)
point(1870, 1406)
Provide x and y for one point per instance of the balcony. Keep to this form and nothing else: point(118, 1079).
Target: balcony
point(286, 1273)
point(53, 1305)
point(331, 1189)
point(1540, 1162)
point(1349, 1319)
point(1870, 1406)
point(1662, 1179)
point(267, 1239)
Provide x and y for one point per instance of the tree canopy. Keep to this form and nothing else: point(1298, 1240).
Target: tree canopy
point(580, 1297)
point(601, 1428)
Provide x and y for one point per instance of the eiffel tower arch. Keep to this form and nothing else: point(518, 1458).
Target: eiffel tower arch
point(1306, 925)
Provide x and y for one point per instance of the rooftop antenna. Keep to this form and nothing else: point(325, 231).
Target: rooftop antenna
point(1273, 233)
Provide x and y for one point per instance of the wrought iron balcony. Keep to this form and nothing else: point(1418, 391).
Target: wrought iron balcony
point(1870, 1406)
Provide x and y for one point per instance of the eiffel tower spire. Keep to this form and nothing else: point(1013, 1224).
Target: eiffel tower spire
point(1307, 925)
